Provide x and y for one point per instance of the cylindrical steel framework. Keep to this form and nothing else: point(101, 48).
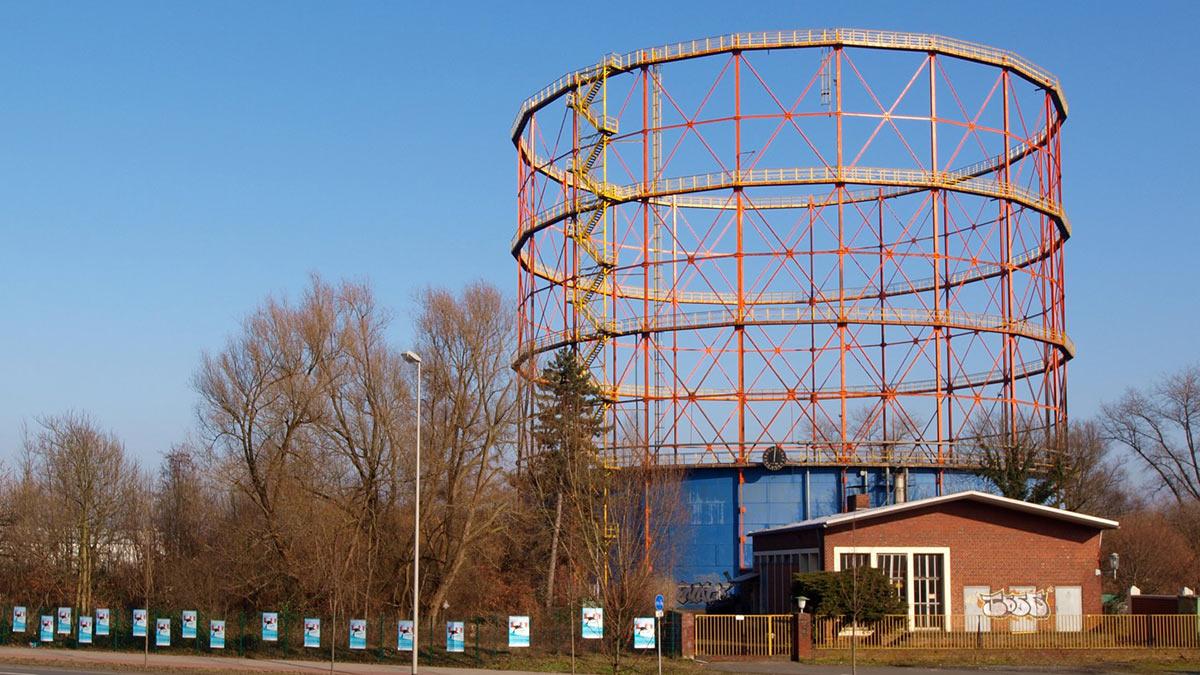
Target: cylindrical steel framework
point(847, 244)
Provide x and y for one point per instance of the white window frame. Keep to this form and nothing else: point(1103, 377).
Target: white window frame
point(764, 601)
point(908, 552)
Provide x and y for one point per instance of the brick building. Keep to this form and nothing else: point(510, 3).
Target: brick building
point(969, 554)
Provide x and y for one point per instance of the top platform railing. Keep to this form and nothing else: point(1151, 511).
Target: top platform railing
point(848, 37)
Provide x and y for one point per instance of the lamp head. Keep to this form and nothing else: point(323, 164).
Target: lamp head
point(411, 357)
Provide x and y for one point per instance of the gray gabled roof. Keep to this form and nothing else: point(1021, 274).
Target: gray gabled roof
point(969, 495)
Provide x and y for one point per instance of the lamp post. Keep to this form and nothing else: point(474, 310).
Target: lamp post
point(412, 357)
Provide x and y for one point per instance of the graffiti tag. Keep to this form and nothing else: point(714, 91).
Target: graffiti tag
point(1003, 603)
point(702, 592)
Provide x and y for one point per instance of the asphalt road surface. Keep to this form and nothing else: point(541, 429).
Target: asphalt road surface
point(8, 669)
point(787, 668)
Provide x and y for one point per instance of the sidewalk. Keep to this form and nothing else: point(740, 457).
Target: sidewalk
point(123, 661)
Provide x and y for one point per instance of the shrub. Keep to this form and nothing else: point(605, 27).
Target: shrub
point(864, 594)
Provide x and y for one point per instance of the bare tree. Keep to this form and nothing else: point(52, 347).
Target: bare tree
point(1022, 462)
point(1091, 479)
point(622, 553)
point(1159, 426)
point(367, 412)
point(87, 476)
point(466, 342)
point(257, 401)
point(1155, 555)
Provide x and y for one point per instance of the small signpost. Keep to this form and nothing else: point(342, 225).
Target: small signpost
point(658, 612)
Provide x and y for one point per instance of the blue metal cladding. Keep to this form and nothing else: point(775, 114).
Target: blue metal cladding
point(708, 543)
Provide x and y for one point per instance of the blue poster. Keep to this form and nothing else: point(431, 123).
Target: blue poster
point(404, 635)
point(19, 618)
point(85, 630)
point(216, 634)
point(592, 623)
point(643, 632)
point(358, 633)
point(64, 620)
point(103, 619)
point(47, 628)
point(139, 623)
point(270, 626)
point(456, 637)
point(162, 633)
point(518, 631)
point(312, 632)
point(187, 624)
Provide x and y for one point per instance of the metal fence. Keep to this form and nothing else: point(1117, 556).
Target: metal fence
point(1109, 631)
point(485, 636)
point(743, 634)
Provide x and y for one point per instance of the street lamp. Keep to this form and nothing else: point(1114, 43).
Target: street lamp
point(412, 357)
point(801, 603)
point(1114, 561)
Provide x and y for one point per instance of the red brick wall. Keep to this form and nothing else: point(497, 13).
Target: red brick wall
point(989, 546)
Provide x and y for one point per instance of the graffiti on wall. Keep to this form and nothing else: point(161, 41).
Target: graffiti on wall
point(702, 592)
point(1018, 604)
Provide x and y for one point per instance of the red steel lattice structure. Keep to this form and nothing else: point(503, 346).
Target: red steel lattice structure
point(845, 243)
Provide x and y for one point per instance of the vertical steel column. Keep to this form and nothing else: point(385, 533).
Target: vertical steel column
point(739, 325)
point(885, 398)
point(646, 314)
point(1006, 238)
point(937, 257)
point(840, 188)
point(812, 330)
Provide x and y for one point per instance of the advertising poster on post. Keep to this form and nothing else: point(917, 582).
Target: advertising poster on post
point(187, 624)
point(643, 632)
point(456, 636)
point(592, 623)
point(85, 630)
point(216, 634)
point(518, 631)
point(162, 633)
point(46, 633)
point(140, 619)
point(270, 626)
point(358, 633)
point(64, 620)
point(20, 616)
point(103, 622)
point(404, 635)
point(312, 633)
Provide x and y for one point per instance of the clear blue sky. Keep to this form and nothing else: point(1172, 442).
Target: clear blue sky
point(164, 166)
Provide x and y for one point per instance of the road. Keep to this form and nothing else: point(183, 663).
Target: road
point(35, 661)
point(788, 668)
point(40, 661)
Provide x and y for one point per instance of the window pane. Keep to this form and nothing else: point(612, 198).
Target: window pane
point(895, 565)
point(928, 603)
point(850, 561)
